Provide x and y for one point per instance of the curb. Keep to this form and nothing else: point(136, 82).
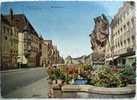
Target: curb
point(100, 90)
point(21, 69)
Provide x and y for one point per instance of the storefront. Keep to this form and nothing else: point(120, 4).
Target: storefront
point(126, 59)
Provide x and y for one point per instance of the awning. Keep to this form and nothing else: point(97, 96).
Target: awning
point(134, 56)
point(109, 59)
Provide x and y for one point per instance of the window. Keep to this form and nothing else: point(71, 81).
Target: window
point(121, 29)
point(127, 12)
point(118, 32)
point(124, 15)
point(6, 37)
point(128, 23)
point(121, 44)
point(11, 33)
point(121, 20)
point(133, 22)
point(117, 22)
point(133, 37)
point(11, 43)
point(118, 44)
point(128, 40)
point(124, 27)
point(132, 3)
point(4, 29)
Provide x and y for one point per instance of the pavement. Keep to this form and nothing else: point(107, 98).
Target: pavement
point(24, 83)
point(38, 89)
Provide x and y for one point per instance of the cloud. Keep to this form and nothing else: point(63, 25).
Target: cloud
point(76, 52)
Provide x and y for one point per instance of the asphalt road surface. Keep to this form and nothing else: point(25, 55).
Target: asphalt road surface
point(13, 80)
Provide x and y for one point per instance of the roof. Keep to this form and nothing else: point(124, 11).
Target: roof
point(48, 41)
point(22, 23)
point(3, 19)
point(120, 10)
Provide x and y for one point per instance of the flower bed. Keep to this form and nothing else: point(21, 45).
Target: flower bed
point(100, 77)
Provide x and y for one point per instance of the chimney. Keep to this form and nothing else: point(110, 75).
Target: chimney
point(11, 12)
point(11, 16)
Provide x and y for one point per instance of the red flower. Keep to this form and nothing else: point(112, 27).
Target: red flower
point(114, 69)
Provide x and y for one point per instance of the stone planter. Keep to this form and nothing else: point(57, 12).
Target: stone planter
point(115, 91)
point(56, 87)
point(54, 82)
point(59, 82)
point(99, 90)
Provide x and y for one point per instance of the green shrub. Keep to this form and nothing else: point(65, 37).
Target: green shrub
point(57, 74)
point(87, 67)
point(67, 78)
point(104, 77)
point(127, 75)
point(53, 77)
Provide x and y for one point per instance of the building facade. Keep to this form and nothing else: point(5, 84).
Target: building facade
point(28, 41)
point(9, 42)
point(53, 56)
point(123, 35)
point(21, 46)
point(50, 51)
point(79, 60)
point(44, 57)
point(108, 52)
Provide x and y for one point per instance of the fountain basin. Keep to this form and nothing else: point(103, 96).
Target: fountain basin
point(80, 82)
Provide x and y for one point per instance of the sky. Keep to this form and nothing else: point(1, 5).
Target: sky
point(67, 23)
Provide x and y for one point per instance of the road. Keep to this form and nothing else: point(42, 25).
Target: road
point(30, 83)
point(17, 79)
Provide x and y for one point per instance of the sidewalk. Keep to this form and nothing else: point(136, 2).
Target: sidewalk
point(35, 90)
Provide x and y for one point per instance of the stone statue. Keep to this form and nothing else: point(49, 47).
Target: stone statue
point(98, 38)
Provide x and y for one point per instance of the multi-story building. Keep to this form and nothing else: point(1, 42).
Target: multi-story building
point(61, 60)
point(108, 52)
point(88, 59)
point(44, 57)
point(5, 43)
point(20, 44)
point(9, 42)
point(34, 58)
point(53, 56)
point(28, 41)
point(50, 51)
point(123, 35)
point(79, 60)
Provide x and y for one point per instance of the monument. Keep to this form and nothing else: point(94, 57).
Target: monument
point(98, 39)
